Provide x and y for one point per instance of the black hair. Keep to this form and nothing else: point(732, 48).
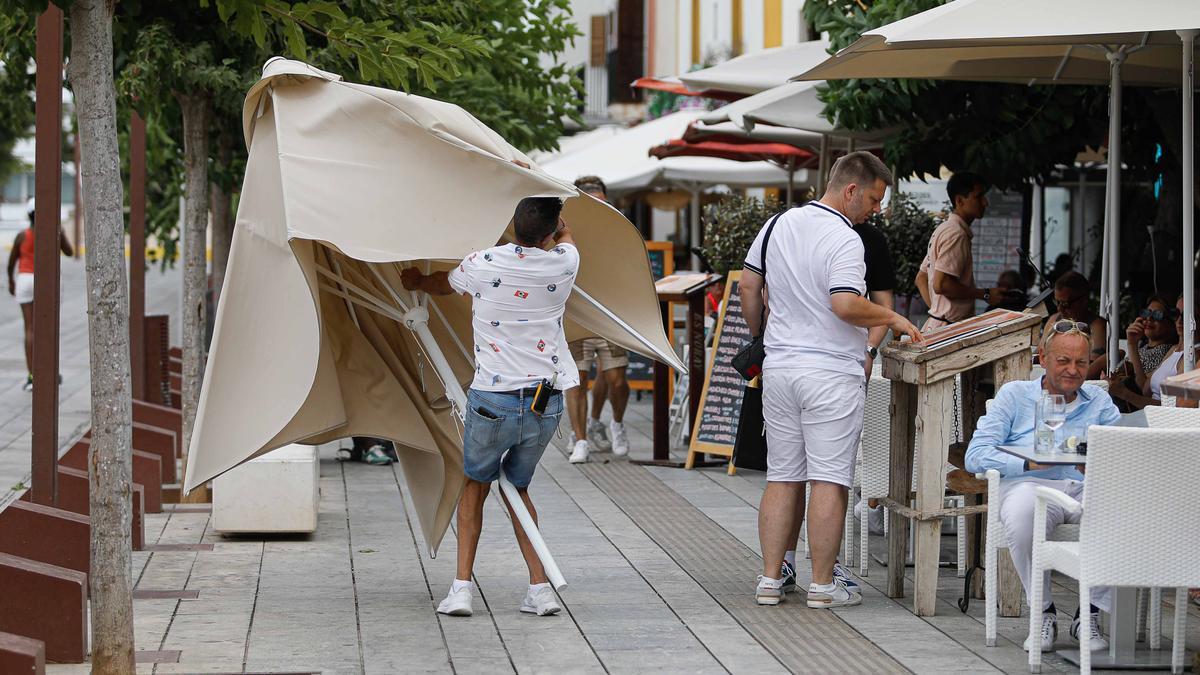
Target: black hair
point(535, 219)
point(591, 184)
point(963, 183)
point(1073, 281)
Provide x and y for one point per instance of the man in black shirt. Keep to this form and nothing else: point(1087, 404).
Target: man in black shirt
point(881, 282)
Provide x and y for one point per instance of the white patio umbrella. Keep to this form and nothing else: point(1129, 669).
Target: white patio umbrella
point(315, 337)
point(1111, 42)
point(625, 164)
point(623, 161)
point(758, 71)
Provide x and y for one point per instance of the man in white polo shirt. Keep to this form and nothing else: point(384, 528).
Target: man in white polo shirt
point(813, 385)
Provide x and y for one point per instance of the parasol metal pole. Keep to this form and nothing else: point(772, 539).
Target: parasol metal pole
point(417, 320)
point(1112, 219)
point(1189, 207)
point(822, 165)
point(694, 226)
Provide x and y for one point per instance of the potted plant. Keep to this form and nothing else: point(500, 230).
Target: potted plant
point(730, 227)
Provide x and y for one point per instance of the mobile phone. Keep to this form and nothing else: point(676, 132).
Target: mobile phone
point(541, 397)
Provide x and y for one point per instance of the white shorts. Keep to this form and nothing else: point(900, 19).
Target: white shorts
point(24, 290)
point(814, 424)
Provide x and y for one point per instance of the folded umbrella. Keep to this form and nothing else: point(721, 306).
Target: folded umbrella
point(315, 337)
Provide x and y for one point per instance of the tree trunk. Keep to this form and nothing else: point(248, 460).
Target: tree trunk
point(109, 466)
point(196, 111)
point(222, 218)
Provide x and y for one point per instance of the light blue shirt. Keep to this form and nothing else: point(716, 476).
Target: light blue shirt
point(1009, 421)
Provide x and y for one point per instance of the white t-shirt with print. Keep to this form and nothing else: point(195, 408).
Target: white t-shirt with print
point(813, 253)
point(519, 295)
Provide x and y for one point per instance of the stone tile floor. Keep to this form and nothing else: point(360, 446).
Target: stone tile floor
point(661, 565)
point(660, 562)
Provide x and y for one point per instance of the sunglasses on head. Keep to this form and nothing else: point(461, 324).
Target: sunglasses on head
point(1158, 314)
point(1064, 326)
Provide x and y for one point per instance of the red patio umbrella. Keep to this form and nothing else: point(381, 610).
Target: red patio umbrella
point(738, 149)
point(674, 85)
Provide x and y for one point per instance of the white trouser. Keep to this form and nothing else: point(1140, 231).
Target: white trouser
point(1016, 514)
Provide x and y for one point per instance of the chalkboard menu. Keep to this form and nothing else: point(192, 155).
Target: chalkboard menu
point(662, 263)
point(721, 403)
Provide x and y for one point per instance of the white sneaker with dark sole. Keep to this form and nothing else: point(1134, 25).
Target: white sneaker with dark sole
point(541, 602)
point(1098, 642)
point(840, 596)
point(1048, 633)
point(456, 603)
point(787, 577)
point(840, 573)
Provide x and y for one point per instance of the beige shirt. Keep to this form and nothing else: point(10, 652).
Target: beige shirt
point(949, 252)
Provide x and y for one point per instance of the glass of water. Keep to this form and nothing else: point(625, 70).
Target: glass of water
point(1052, 415)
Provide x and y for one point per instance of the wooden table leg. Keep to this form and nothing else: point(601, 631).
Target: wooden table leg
point(1011, 591)
point(902, 411)
point(696, 361)
point(935, 420)
point(662, 404)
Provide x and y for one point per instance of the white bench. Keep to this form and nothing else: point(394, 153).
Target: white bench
point(275, 492)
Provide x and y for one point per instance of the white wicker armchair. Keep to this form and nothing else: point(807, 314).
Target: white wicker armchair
point(1131, 533)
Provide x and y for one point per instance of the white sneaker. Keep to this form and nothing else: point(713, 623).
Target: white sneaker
point(769, 591)
point(457, 603)
point(579, 453)
point(620, 442)
point(596, 436)
point(840, 596)
point(541, 602)
point(1049, 632)
point(1098, 642)
point(875, 520)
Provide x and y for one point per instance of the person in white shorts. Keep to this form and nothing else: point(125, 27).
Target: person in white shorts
point(611, 383)
point(20, 284)
point(813, 385)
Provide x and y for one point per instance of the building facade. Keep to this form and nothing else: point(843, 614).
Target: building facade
point(627, 39)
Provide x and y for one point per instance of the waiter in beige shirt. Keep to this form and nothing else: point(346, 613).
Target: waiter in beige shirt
point(946, 279)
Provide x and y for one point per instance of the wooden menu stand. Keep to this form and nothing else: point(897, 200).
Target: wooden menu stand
point(923, 406)
point(684, 287)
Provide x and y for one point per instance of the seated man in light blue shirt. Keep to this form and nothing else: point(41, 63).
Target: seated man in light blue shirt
point(1065, 354)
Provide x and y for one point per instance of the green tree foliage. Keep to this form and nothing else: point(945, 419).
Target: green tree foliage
point(17, 41)
point(730, 226)
point(908, 227)
point(1006, 132)
point(495, 58)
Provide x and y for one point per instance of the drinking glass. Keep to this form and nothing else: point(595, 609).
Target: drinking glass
point(1054, 415)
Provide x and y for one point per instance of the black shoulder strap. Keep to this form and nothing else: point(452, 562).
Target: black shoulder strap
point(767, 240)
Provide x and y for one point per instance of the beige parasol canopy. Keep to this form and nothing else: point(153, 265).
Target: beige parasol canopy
point(346, 185)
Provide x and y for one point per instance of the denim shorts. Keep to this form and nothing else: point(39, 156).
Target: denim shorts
point(506, 425)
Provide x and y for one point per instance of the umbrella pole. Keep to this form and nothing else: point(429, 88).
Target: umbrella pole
point(417, 320)
point(822, 165)
point(791, 169)
point(694, 226)
point(1189, 245)
point(1112, 216)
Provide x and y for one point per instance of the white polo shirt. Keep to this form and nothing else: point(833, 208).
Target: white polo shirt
point(518, 298)
point(813, 253)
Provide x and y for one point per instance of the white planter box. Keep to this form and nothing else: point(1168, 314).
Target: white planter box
point(277, 492)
